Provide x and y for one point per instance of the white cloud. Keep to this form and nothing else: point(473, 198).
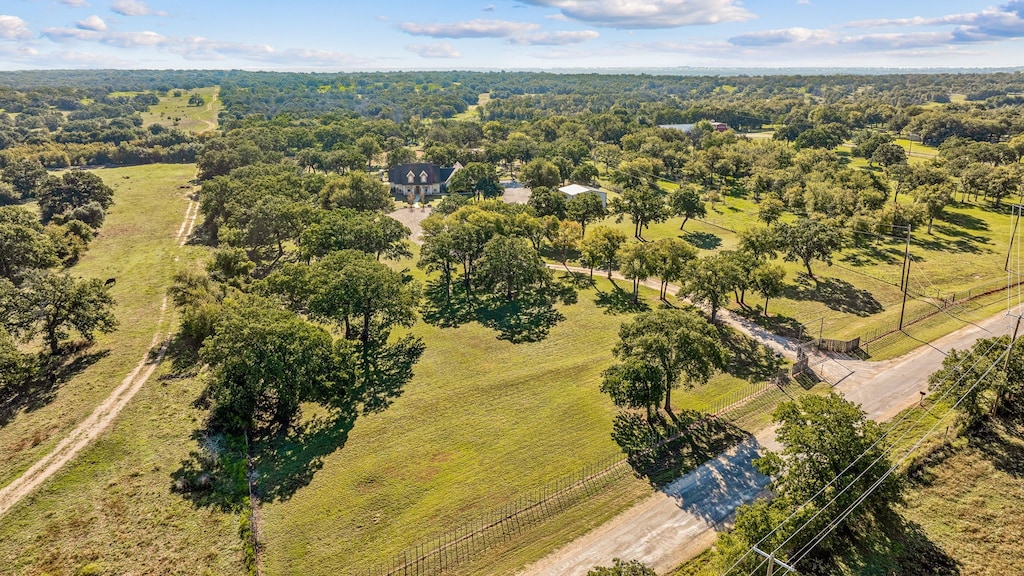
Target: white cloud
point(134, 8)
point(13, 28)
point(143, 39)
point(94, 23)
point(991, 25)
point(200, 48)
point(73, 3)
point(784, 36)
point(469, 29)
point(804, 38)
point(554, 38)
point(30, 57)
point(488, 8)
point(68, 34)
point(439, 50)
point(913, 21)
point(631, 14)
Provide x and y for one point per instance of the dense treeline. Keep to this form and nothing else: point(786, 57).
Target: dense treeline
point(76, 127)
point(738, 100)
point(63, 123)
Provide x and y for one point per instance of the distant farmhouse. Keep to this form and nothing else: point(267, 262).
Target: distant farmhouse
point(573, 190)
point(421, 181)
point(718, 126)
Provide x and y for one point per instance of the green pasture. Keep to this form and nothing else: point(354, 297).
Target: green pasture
point(483, 422)
point(174, 111)
point(859, 294)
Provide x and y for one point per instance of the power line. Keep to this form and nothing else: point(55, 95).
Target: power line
point(884, 453)
point(829, 528)
point(892, 427)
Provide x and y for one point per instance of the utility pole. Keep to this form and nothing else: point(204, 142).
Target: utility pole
point(906, 276)
point(1006, 364)
point(1009, 250)
point(906, 256)
point(773, 561)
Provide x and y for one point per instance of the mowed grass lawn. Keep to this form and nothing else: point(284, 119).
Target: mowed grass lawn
point(174, 111)
point(483, 422)
point(111, 509)
point(859, 295)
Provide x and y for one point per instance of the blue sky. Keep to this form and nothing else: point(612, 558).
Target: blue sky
point(447, 34)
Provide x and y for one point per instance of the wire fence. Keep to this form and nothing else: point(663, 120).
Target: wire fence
point(720, 223)
point(738, 397)
point(951, 303)
point(465, 543)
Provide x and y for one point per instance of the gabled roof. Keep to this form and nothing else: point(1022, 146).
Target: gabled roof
point(399, 174)
point(446, 173)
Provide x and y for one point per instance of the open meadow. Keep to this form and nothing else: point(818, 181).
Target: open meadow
point(137, 247)
point(174, 111)
point(859, 294)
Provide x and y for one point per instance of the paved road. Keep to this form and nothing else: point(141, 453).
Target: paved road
point(681, 520)
point(674, 524)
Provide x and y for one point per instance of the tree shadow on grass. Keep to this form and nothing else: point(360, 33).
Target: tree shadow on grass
point(1002, 442)
point(287, 463)
point(702, 240)
point(444, 310)
point(216, 473)
point(45, 378)
point(835, 293)
point(891, 546)
point(667, 449)
point(966, 221)
point(868, 254)
point(963, 243)
point(618, 301)
point(578, 280)
point(528, 318)
point(748, 359)
point(775, 323)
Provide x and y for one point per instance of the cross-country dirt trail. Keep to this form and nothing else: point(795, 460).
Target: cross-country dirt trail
point(187, 225)
point(210, 124)
point(104, 415)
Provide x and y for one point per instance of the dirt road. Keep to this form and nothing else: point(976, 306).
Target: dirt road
point(106, 413)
